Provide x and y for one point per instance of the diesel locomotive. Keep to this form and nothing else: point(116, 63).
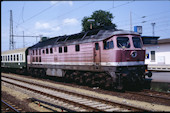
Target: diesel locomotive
point(104, 58)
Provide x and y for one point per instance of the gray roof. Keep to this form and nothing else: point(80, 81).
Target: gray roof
point(83, 37)
point(14, 51)
point(163, 41)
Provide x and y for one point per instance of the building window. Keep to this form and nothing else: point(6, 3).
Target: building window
point(60, 49)
point(77, 47)
point(65, 49)
point(51, 50)
point(153, 56)
point(46, 50)
point(97, 46)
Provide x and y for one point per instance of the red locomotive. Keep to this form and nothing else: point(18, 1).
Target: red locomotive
point(104, 58)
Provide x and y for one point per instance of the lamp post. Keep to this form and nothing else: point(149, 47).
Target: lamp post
point(153, 25)
point(90, 20)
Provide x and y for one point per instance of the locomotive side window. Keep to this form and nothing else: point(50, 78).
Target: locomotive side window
point(51, 50)
point(8, 57)
point(43, 51)
point(60, 49)
point(77, 47)
point(136, 42)
point(108, 45)
point(111, 44)
point(65, 49)
point(123, 42)
point(39, 51)
point(46, 50)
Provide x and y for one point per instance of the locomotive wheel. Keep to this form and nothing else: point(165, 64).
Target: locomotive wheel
point(108, 84)
point(88, 78)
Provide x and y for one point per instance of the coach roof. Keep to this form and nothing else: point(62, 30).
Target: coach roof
point(14, 51)
point(83, 37)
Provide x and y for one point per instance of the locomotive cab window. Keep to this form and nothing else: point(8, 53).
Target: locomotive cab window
point(77, 47)
point(123, 42)
point(136, 42)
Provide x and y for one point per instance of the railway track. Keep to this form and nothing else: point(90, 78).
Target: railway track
point(153, 94)
point(79, 102)
point(7, 106)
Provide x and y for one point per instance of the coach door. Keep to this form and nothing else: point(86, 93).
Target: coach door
point(97, 54)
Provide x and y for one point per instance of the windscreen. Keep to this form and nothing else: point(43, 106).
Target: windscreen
point(137, 42)
point(123, 42)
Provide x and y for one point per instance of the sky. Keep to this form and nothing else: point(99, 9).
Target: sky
point(57, 18)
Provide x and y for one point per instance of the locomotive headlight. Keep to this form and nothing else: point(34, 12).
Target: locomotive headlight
point(133, 54)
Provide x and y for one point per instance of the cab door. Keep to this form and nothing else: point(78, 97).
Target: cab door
point(97, 54)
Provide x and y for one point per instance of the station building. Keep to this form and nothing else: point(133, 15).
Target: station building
point(157, 53)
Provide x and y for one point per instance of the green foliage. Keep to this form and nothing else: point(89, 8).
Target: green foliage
point(102, 19)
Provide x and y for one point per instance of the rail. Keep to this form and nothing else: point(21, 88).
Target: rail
point(121, 105)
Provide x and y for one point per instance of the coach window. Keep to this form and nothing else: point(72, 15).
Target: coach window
point(14, 57)
point(65, 49)
point(51, 50)
point(97, 46)
point(46, 50)
point(60, 49)
point(22, 57)
point(77, 47)
point(17, 57)
point(11, 57)
point(8, 58)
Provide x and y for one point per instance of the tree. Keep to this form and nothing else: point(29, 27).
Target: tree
point(102, 19)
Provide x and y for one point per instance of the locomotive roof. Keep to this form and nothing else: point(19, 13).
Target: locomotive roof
point(83, 37)
point(14, 51)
